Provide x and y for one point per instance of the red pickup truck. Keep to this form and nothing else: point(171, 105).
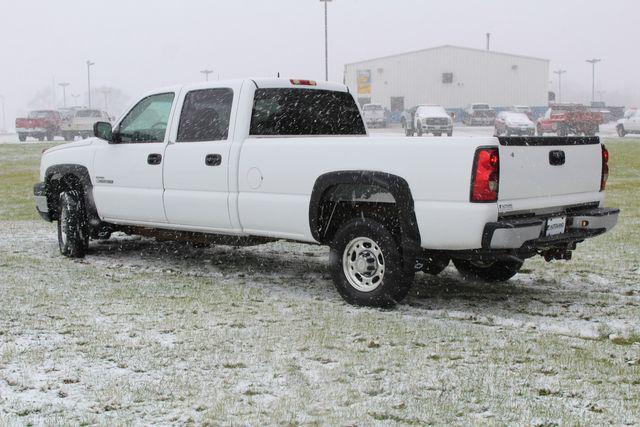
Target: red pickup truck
point(566, 119)
point(39, 124)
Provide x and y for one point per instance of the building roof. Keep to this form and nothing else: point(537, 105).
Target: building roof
point(447, 46)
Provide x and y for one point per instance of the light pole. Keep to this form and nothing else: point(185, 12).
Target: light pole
point(75, 97)
point(206, 74)
point(89, 64)
point(560, 73)
point(64, 93)
point(326, 40)
point(4, 122)
point(593, 63)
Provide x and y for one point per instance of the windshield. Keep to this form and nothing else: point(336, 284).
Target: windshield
point(516, 117)
point(481, 107)
point(372, 107)
point(88, 113)
point(40, 114)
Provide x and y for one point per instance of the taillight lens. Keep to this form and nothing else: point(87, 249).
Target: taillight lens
point(486, 175)
point(605, 168)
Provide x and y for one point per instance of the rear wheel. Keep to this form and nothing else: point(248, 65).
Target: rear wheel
point(450, 133)
point(562, 131)
point(437, 134)
point(419, 128)
point(366, 265)
point(49, 137)
point(73, 233)
point(497, 271)
point(22, 137)
point(621, 131)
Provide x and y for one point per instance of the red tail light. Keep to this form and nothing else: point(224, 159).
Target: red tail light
point(485, 176)
point(605, 168)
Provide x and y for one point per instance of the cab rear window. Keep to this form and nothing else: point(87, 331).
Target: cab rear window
point(299, 112)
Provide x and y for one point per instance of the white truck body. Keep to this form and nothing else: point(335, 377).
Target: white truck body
point(374, 115)
point(81, 122)
point(245, 184)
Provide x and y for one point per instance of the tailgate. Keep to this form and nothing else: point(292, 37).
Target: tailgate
point(545, 167)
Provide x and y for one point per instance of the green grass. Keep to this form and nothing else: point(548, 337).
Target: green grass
point(19, 170)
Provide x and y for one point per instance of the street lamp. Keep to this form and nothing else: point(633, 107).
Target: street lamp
point(64, 93)
point(206, 74)
point(560, 73)
point(593, 63)
point(326, 40)
point(89, 64)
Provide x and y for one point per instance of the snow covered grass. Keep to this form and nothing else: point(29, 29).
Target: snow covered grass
point(164, 333)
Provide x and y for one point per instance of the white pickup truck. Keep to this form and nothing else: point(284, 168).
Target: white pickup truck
point(251, 161)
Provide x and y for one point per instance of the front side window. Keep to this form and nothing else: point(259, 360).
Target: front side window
point(147, 121)
point(299, 112)
point(205, 115)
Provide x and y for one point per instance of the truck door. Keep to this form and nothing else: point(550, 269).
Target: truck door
point(128, 173)
point(196, 171)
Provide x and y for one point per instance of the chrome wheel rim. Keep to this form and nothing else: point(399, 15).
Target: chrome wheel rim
point(363, 264)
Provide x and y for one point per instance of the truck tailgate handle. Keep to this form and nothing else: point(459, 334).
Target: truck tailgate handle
point(154, 159)
point(213, 160)
point(556, 158)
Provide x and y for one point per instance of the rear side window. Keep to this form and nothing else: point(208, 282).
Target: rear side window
point(205, 115)
point(305, 112)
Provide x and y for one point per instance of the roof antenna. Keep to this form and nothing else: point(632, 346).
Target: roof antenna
point(488, 41)
point(278, 74)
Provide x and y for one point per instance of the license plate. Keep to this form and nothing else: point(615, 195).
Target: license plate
point(556, 226)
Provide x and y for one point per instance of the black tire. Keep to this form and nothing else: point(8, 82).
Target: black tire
point(49, 137)
point(389, 280)
point(41, 138)
point(437, 134)
point(73, 232)
point(22, 137)
point(408, 132)
point(419, 128)
point(621, 131)
point(562, 132)
point(450, 133)
point(498, 271)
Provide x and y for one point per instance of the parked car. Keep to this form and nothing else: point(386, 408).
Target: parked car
point(81, 123)
point(629, 124)
point(374, 115)
point(250, 161)
point(479, 114)
point(39, 124)
point(567, 119)
point(511, 123)
point(424, 119)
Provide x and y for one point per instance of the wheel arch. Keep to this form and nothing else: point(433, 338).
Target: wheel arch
point(359, 186)
point(58, 178)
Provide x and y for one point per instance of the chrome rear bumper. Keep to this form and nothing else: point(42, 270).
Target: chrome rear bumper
point(530, 232)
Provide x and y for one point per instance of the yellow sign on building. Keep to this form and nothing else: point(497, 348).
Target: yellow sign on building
point(364, 82)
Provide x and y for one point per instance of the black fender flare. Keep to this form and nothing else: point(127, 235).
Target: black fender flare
point(395, 185)
point(56, 172)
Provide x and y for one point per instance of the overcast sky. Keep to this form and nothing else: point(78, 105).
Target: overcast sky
point(141, 44)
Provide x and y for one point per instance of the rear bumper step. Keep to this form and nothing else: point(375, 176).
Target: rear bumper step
point(530, 232)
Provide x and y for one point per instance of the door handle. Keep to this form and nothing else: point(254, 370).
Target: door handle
point(154, 159)
point(213, 160)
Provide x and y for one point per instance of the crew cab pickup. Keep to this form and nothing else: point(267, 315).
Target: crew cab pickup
point(80, 123)
point(374, 115)
point(427, 119)
point(40, 124)
point(250, 161)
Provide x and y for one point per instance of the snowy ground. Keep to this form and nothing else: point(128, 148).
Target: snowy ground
point(164, 333)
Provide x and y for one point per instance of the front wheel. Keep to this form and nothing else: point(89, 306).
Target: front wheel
point(419, 128)
point(22, 137)
point(450, 133)
point(367, 265)
point(73, 233)
point(497, 271)
point(621, 131)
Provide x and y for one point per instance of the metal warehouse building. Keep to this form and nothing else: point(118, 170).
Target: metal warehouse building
point(451, 76)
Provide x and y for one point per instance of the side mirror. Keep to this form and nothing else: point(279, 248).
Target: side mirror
point(103, 130)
